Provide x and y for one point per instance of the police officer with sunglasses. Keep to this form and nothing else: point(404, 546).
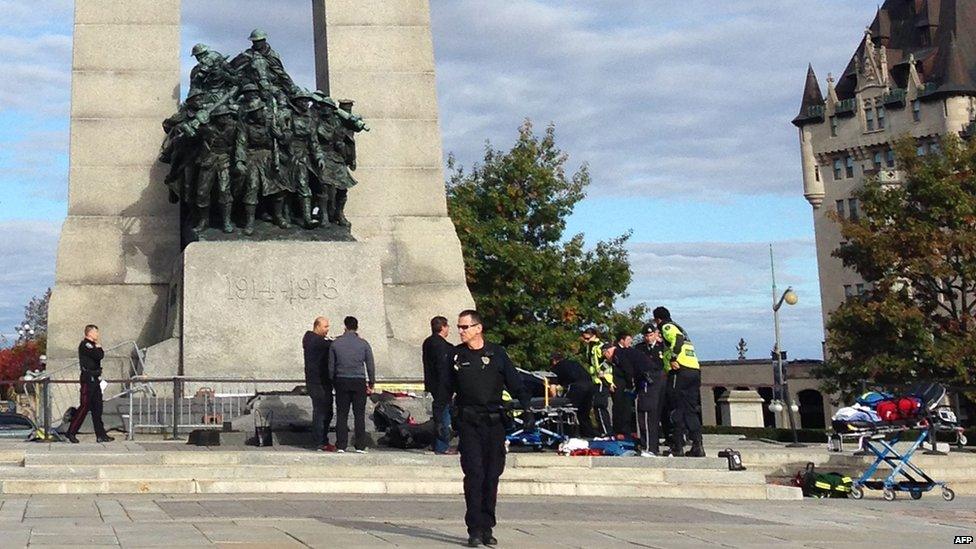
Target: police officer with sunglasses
point(473, 377)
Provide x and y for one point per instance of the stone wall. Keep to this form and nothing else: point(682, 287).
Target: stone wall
point(381, 53)
point(121, 235)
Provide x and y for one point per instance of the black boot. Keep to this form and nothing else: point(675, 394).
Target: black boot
point(225, 210)
point(340, 208)
point(203, 220)
point(678, 446)
point(474, 540)
point(488, 539)
point(697, 447)
point(278, 213)
point(307, 220)
point(249, 219)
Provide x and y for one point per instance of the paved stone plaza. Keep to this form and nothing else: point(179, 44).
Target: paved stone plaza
point(356, 521)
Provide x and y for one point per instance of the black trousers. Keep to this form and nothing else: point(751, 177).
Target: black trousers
point(321, 396)
point(623, 412)
point(482, 448)
point(91, 401)
point(650, 404)
point(601, 409)
point(350, 392)
point(580, 395)
point(684, 386)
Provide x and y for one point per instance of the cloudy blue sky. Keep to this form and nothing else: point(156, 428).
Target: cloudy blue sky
point(681, 109)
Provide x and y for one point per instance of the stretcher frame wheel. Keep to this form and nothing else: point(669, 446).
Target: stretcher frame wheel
point(857, 492)
point(888, 494)
point(948, 494)
point(916, 493)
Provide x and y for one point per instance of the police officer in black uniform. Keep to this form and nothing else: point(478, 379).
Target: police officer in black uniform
point(90, 355)
point(474, 376)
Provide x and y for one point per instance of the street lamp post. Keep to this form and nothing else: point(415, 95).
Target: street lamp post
point(790, 298)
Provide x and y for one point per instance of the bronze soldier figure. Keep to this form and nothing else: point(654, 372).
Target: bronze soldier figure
point(219, 139)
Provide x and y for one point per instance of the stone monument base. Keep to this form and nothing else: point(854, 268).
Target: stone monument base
point(246, 305)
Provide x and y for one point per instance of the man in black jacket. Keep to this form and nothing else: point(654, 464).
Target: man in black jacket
point(90, 355)
point(574, 378)
point(315, 347)
point(434, 350)
point(623, 393)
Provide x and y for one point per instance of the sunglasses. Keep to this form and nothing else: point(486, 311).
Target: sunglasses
point(463, 327)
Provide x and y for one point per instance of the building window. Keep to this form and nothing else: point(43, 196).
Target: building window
point(869, 118)
point(850, 166)
point(881, 118)
point(859, 288)
point(890, 158)
point(878, 161)
point(853, 211)
point(833, 126)
point(840, 209)
point(935, 147)
point(920, 151)
point(917, 110)
point(838, 169)
point(848, 292)
point(816, 172)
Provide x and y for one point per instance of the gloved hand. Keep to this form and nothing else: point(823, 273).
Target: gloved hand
point(528, 420)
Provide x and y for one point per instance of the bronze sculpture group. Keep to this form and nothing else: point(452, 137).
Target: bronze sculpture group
point(249, 145)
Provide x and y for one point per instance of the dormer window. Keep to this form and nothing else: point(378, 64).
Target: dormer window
point(869, 118)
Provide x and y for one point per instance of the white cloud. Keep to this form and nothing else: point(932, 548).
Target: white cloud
point(721, 291)
point(28, 249)
point(657, 96)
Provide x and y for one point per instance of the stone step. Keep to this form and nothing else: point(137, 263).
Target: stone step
point(286, 458)
point(362, 486)
point(253, 472)
point(780, 457)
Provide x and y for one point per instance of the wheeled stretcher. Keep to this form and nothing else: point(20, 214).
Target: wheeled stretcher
point(880, 439)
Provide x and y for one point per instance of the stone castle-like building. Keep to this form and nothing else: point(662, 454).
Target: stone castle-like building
point(913, 73)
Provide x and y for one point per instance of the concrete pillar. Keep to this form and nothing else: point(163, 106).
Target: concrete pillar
point(381, 54)
point(743, 408)
point(708, 406)
point(121, 235)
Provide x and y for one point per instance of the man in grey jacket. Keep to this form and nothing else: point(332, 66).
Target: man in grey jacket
point(353, 373)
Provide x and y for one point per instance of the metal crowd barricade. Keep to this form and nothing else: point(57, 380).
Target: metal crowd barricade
point(194, 402)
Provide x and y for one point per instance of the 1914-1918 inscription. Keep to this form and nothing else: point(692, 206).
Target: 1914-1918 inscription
point(288, 289)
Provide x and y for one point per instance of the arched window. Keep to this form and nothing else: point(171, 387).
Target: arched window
point(811, 409)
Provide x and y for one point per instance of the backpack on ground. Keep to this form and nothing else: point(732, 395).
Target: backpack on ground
point(822, 485)
point(387, 414)
point(408, 436)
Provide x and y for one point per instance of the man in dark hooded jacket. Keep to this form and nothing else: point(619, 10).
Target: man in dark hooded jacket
point(315, 345)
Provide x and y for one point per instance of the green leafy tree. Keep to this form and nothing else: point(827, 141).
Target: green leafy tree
point(915, 243)
point(535, 288)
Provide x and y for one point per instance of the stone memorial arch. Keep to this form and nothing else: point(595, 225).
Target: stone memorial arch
point(120, 263)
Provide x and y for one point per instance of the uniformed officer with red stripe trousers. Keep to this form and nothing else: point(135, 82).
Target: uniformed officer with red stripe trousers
point(90, 355)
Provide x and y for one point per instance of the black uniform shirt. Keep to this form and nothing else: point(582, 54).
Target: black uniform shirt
point(569, 371)
point(315, 349)
point(434, 350)
point(90, 358)
point(634, 364)
point(476, 378)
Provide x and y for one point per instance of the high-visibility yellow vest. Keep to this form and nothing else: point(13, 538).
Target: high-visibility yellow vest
point(685, 355)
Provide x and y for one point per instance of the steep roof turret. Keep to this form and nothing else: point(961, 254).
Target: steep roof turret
point(812, 105)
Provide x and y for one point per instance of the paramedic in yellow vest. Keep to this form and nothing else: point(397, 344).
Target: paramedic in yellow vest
point(684, 385)
point(602, 376)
